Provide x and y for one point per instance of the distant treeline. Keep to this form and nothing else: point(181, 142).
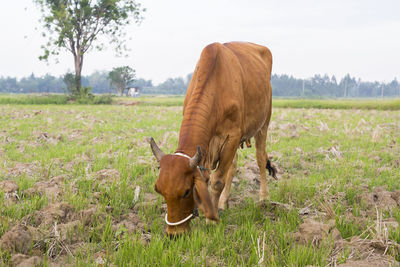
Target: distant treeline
point(282, 86)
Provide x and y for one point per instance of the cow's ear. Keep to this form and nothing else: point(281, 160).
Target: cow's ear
point(203, 199)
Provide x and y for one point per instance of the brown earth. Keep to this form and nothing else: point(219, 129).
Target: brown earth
point(58, 230)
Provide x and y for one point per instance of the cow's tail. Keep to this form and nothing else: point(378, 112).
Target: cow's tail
point(271, 169)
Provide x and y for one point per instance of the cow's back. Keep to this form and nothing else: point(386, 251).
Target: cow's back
point(255, 67)
point(230, 90)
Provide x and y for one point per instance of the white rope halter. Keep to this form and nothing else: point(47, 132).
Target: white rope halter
point(166, 214)
point(181, 154)
point(177, 223)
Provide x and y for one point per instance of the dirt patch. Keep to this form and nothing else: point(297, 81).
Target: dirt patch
point(75, 134)
point(8, 186)
point(18, 239)
point(44, 137)
point(250, 173)
point(368, 263)
point(314, 232)
point(19, 169)
point(79, 159)
point(51, 189)
point(381, 198)
point(106, 176)
point(129, 223)
point(58, 212)
point(90, 215)
point(128, 103)
point(20, 260)
point(10, 189)
point(363, 252)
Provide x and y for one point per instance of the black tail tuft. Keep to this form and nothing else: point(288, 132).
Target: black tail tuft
point(271, 169)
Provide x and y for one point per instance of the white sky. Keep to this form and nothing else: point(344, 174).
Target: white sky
point(306, 37)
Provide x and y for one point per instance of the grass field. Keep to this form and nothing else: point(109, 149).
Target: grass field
point(76, 187)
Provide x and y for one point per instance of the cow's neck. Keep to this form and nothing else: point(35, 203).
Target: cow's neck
point(197, 126)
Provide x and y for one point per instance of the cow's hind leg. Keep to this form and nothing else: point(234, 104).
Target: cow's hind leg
point(222, 204)
point(262, 159)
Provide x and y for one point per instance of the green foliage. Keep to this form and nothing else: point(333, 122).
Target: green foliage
point(34, 99)
point(77, 26)
point(338, 104)
point(121, 77)
point(284, 85)
point(95, 100)
point(54, 100)
point(70, 81)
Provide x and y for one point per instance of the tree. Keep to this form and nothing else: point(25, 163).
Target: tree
point(76, 25)
point(121, 77)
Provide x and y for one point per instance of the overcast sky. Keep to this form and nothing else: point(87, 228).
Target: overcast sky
point(306, 37)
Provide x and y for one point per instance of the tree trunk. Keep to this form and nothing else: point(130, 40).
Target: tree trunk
point(121, 91)
point(78, 72)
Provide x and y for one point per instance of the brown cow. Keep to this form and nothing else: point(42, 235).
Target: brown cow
point(228, 101)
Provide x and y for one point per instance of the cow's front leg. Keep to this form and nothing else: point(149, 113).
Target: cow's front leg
point(223, 200)
point(220, 176)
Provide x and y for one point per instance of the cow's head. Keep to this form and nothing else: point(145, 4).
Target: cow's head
point(183, 187)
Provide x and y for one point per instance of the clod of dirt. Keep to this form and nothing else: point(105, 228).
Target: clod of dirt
point(396, 196)
point(18, 239)
point(46, 138)
point(69, 232)
point(29, 169)
point(366, 263)
point(88, 216)
point(60, 212)
point(315, 232)
point(51, 189)
point(107, 176)
point(130, 223)
point(380, 198)
point(20, 260)
point(8, 186)
point(250, 173)
point(10, 189)
point(75, 134)
point(365, 252)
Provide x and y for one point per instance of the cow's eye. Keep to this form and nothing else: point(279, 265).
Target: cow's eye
point(156, 189)
point(186, 193)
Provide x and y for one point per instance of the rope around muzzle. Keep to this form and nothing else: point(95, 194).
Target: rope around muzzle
point(195, 212)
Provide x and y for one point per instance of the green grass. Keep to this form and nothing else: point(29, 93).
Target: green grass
point(33, 99)
point(82, 140)
point(53, 99)
point(378, 104)
point(169, 101)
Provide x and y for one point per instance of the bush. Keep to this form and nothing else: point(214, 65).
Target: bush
point(55, 100)
point(94, 100)
point(34, 99)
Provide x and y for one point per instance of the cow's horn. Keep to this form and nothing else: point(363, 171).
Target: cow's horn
point(195, 160)
point(156, 150)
